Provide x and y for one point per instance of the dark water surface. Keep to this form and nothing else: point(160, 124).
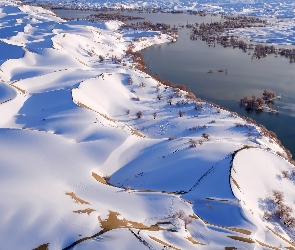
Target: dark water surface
point(187, 62)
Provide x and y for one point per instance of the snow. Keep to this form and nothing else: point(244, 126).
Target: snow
point(68, 120)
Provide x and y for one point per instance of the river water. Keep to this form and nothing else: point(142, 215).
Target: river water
point(187, 62)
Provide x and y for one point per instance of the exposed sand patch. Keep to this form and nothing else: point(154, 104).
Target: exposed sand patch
point(230, 248)
point(135, 132)
point(42, 247)
point(194, 216)
point(99, 178)
point(77, 199)
point(112, 222)
point(239, 230)
point(265, 245)
point(194, 241)
point(163, 243)
point(85, 211)
point(103, 115)
point(235, 182)
point(247, 240)
point(19, 89)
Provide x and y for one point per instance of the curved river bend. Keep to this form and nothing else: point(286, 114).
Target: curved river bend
point(187, 62)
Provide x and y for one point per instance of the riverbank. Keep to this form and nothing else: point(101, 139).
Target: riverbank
point(101, 150)
point(243, 77)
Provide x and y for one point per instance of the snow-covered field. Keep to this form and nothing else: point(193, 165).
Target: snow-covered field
point(280, 29)
point(80, 170)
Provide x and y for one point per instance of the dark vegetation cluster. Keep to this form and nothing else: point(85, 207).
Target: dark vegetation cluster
point(215, 32)
point(218, 32)
point(102, 16)
point(281, 210)
point(257, 103)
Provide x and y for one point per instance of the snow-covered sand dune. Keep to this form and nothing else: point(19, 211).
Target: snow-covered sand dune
point(93, 156)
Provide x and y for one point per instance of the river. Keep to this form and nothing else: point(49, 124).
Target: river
point(187, 62)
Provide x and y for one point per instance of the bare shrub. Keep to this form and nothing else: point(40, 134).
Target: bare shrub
point(285, 174)
point(278, 196)
point(192, 143)
point(268, 94)
point(101, 58)
point(199, 106)
point(155, 115)
point(139, 114)
point(142, 84)
point(187, 220)
point(289, 221)
point(130, 81)
point(181, 87)
point(158, 87)
point(206, 136)
point(171, 138)
point(180, 214)
point(238, 124)
point(169, 101)
point(128, 112)
point(181, 113)
point(127, 188)
point(159, 96)
point(106, 178)
point(191, 95)
point(283, 211)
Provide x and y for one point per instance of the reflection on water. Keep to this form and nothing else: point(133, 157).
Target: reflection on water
point(187, 62)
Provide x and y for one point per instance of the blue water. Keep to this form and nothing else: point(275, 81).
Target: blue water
point(187, 62)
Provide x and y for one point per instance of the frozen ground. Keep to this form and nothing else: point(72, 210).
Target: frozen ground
point(81, 168)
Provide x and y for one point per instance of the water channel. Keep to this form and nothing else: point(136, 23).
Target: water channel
point(187, 62)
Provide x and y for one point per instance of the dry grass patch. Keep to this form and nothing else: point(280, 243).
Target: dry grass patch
point(84, 211)
point(103, 115)
point(195, 242)
point(265, 245)
point(239, 230)
point(235, 182)
point(42, 247)
point(19, 89)
point(76, 198)
point(98, 178)
point(112, 222)
point(243, 239)
point(135, 132)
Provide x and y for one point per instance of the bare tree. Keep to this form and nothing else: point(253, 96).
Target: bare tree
point(187, 220)
point(278, 196)
point(285, 174)
point(206, 136)
point(181, 113)
point(159, 96)
point(192, 143)
point(101, 58)
point(139, 114)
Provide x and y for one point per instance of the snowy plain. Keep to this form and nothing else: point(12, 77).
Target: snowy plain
point(80, 169)
point(280, 14)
